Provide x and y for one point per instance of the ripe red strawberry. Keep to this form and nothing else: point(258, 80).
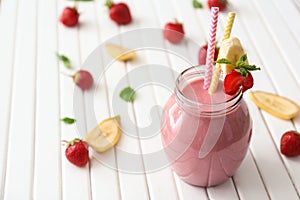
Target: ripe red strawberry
point(234, 80)
point(173, 32)
point(290, 143)
point(202, 54)
point(69, 17)
point(77, 152)
point(119, 12)
point(222, 4)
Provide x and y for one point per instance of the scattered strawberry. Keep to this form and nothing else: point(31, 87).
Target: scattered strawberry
point(239, 76)
point(77, 152)
point(119, 12)
point(173, 32)
point(222, 4)
point(202, 54)
point(290, 143)
point(83, 79)
point(234, 80)
point(69, 16)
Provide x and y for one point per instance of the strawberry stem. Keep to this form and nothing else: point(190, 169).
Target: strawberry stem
point(65, 74)
point(76, 5)
point(109, 3)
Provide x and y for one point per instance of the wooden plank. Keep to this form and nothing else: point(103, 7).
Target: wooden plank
point(223, 191)
point(131, 185)
point(8, 21)
point(104, 179)
point(289, 11)
point(47, 137)
point(247, 180)
point(75, 181)
point(22, 124)
point(187, 191)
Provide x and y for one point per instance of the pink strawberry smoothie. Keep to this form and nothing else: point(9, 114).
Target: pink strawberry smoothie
point(205, 137)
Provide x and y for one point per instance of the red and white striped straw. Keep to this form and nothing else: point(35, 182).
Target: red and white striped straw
point(214, 13)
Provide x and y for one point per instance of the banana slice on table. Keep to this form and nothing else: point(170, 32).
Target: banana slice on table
point(232, 50)
point(105, 135)
point(276, 105)
point(120, 53)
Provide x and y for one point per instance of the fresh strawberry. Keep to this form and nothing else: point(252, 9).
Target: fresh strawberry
point(234, 80)
point(290, 143)
point(77, 152)
point(173, 32)
point(202, 54)
point(248, 82)
point(69, 16)
point(222, 4)
point(119, 12)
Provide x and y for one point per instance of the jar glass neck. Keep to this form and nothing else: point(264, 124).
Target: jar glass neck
point(191, 96)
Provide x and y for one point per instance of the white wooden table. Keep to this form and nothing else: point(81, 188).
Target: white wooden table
point(34, 96)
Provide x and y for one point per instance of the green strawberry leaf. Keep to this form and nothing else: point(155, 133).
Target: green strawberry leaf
point(197, 4)
point(65, 60)
point(224, 61)
point(68, 120)
point(127, 94)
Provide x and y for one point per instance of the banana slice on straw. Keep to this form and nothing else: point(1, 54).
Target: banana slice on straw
point(120, 53)
point(276, 105)
point(105, 135)
point(232, 50)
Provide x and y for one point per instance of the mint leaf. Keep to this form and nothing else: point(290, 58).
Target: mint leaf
point(68, 120)
point(224, 61)
point(65, 60)
point(243, 58)
point(197, 4)
point(127, 94)
point(250, 67)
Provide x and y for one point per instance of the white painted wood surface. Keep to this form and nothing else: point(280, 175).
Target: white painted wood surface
point(34, 96)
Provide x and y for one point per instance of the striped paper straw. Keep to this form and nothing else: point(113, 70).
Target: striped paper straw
point(214, 13)
point(217, 70)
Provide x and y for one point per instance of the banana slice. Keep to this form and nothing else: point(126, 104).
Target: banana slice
point(120, 53)
point(276, 105)
point(105, 135)
point(232, 50)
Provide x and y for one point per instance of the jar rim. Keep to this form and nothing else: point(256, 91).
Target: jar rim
point(196, 104)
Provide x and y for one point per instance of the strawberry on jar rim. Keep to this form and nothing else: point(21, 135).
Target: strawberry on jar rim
point(119, 12)
point(239, 77)
point(234, 81)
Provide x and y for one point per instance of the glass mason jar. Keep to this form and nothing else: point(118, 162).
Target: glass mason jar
point(205, 137)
